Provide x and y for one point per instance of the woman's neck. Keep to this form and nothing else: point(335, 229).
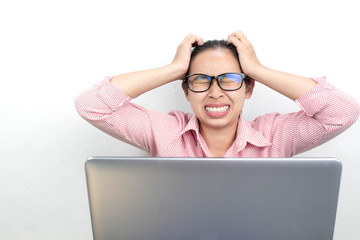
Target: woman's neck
point(218, 140)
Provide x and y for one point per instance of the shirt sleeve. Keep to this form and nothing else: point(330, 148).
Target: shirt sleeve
point(326, 112)
point(110, 109)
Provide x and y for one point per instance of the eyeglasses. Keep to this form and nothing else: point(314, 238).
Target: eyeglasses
point(226, 81)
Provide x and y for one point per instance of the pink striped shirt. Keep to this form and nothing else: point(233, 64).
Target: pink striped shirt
point(325, 112)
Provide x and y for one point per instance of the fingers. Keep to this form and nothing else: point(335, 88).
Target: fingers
point(183, 53)
point(193, 40)
point(247, 56)
point(198, 41)
point(239, 35)
point(237, 38)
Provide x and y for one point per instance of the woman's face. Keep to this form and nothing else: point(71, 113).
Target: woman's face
point(217, 108)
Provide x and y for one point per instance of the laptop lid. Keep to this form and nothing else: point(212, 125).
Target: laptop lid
point(223, 199)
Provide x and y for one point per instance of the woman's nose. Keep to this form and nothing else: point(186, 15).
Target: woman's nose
point(215, 91)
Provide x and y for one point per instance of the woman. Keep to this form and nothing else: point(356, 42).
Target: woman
point(214, 74)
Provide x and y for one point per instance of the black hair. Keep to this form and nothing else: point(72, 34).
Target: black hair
point(214, 44)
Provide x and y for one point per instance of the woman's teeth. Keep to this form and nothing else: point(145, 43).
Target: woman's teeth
point(217, 109)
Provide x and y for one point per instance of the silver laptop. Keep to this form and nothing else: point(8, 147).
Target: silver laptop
point(208, 199)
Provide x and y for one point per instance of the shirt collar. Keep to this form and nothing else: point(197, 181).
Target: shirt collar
point(192, 124)
point(245, 133)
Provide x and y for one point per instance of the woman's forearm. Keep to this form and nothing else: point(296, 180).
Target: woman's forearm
point(289, 85)
point(137, 83)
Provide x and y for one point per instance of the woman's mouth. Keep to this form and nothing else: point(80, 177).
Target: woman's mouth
point(217, 111)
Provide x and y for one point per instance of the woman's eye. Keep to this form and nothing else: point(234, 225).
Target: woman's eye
point(226, 80)
point(201, 79)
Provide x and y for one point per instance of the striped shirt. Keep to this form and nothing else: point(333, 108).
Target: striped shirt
point(325, 113)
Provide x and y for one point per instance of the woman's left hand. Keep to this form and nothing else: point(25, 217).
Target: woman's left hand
point(247, 57)
point(289, 85)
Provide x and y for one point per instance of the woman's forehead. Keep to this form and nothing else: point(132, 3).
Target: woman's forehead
point(214, 62)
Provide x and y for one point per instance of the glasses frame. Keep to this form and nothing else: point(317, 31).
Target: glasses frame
point(186, 80)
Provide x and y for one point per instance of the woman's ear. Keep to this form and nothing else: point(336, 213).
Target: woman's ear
point(249, 89)
point(185, 88)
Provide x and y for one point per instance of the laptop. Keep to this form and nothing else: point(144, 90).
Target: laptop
point(213, 198)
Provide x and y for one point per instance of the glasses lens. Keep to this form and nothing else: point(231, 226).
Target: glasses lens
point(230, 81)
point(199, 82)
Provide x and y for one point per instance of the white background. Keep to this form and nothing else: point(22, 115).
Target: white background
point(50, 51)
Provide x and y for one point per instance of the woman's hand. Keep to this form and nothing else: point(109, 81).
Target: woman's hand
point(289, 85)
point(137, 83)
point(247, 57)
point(183, 53)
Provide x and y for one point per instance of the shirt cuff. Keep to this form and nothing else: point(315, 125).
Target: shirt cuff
point(316, 98)
point(111, 95)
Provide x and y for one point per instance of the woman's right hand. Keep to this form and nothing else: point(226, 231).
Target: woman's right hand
point(183, 53)
point(137, 83)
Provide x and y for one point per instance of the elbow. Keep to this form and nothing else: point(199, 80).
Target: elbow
point(341, 116)
point(83, 108)
point(346, 109)
point(79, 106)
point(350, 114)
point(354, 112)
point(91, 108)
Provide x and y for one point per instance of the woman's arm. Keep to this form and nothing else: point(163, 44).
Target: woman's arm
point(289, 85)
point(326, 111)
point(137, 83)
point(108, 105)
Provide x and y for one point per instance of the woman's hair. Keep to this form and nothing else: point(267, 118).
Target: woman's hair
point(214, 44)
